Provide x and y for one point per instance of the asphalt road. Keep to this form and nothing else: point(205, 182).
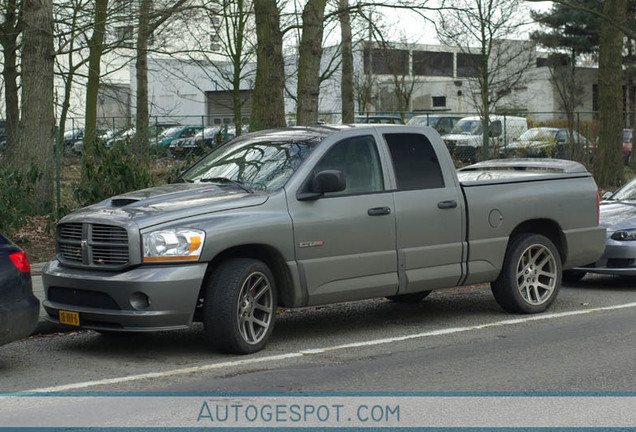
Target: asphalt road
point(455, 340)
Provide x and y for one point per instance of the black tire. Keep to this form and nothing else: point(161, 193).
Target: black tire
point(537, 262)
point(409, 298)
point(239, 319)
point(573, 275)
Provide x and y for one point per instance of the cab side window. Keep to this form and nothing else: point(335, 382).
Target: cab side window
point(358, 159)
point(414, 161)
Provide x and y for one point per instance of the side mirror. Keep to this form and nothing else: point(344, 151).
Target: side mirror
point(321, 183)
point(607, 195)
point(494, 130)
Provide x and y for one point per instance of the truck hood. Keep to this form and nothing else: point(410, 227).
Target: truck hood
point(616, 215)
point(148, 207)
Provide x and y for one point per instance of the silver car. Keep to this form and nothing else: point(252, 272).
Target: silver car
point(618, 215)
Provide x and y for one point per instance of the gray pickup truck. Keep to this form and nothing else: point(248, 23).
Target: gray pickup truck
point(309, 216)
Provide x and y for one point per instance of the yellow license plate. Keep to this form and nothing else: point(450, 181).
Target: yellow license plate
point(178, 149)
point(70, 318)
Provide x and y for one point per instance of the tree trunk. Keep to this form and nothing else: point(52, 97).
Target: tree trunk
point(608, 165)
point(9, 41)
point(140, 141)
point(240, 21)
point(96, 47)
point(310, 53)
point(268, 109)
point(38, 118)
point(346, 83)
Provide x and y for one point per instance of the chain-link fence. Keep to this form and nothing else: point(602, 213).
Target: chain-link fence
point(468, 139)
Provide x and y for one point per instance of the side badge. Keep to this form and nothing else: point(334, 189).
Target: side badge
point(308, 244)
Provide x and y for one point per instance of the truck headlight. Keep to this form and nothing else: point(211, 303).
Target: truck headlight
point(173, 245)
point(624, 235)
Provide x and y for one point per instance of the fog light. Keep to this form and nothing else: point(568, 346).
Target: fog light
point(139, 300)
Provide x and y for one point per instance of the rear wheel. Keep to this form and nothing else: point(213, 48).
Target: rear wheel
point(531, 275)
point(409, 298)
point(239, 306)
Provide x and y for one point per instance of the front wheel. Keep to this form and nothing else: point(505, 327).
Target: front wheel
point(239, 307)
point(531, 275)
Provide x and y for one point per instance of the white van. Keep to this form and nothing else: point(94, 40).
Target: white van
point(465, 140)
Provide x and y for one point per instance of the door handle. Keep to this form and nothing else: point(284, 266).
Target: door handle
point(379, 211)
point(447, 204)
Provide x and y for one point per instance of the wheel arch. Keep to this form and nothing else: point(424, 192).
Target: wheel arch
point(268, 255)
point(546, 227)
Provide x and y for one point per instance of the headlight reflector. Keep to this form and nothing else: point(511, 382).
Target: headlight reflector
point(624, 235)
point(173, 245)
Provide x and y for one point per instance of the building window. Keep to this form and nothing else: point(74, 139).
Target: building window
point(439, 101)
point(386, 61)
point(124, 33)
point(468, 65)
point(123, 8)
point(432, 63)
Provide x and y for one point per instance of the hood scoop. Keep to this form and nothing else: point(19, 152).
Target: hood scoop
point(121, 202)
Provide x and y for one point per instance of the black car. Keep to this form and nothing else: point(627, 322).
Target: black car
point(19, 308)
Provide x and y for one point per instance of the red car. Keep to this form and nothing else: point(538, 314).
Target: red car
point(627, 145)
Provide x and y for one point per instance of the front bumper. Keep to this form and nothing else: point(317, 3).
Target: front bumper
point(18, 319)
point(619, 258)
point(112, 300)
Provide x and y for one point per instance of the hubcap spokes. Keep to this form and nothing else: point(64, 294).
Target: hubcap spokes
point(536, 274)
point(255, 308)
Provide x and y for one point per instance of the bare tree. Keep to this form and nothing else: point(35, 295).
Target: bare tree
point(493, 63)
point(310, 54)
point(347, 86)
point(267, 101)
point(37, 99)
point(10, 30)
point(570, 91)
point(96, 48)
point(610, 83)
point(149, 21)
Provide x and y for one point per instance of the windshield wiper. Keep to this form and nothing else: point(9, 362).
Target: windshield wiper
point(227, 180)
point(183, 180)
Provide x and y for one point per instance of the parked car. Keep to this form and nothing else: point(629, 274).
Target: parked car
point(544, 142)
point(309, 216)
point(379, 119)
point(443, 124)
point(204, 141)
point(617, 213)
point(176, 132)
point(154, 131)
point(70, 138)
point(466, 139)
point(103, 136)
point(627, 145)
point(19, 308)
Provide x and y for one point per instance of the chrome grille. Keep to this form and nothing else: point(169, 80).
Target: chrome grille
point(72, 231)
point(93, 245)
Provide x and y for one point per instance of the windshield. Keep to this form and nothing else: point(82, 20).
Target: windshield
point(423, 121)
point(467, 127)
point(538, 134)
point(170, 132)
point(258, 163)
point(626, 193)
point(207, 132)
